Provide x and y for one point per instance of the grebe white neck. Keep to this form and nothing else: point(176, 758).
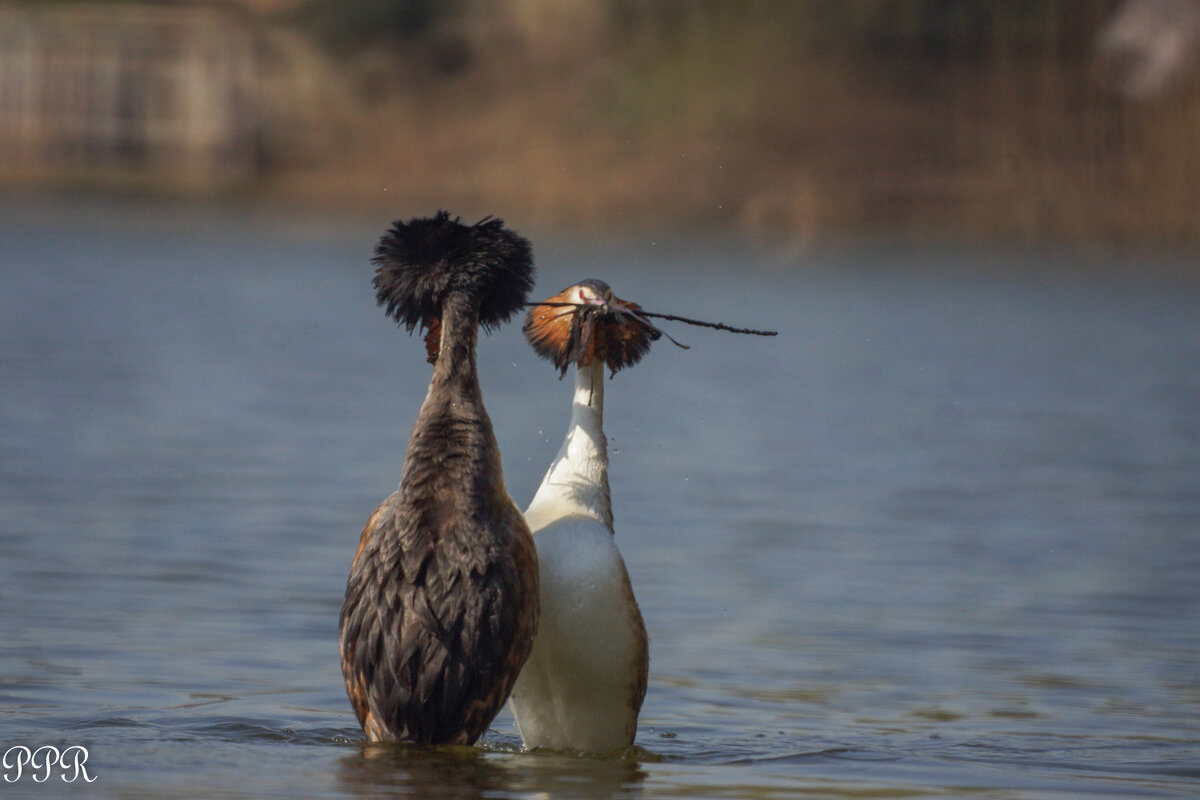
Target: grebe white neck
point(577, 481)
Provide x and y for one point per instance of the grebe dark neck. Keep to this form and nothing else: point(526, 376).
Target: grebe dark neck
point(452, 444)
point(452, 452)
point(442, 604)
point(454, 368)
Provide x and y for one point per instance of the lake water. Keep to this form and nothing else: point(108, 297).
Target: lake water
point(940, 538)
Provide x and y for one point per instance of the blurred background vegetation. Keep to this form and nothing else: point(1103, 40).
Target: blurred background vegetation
point(793, 120)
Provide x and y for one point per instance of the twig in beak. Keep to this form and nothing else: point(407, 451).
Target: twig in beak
point(721, 326)
point(651, 326)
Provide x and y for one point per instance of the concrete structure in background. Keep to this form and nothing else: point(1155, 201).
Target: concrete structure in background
point(153, 95)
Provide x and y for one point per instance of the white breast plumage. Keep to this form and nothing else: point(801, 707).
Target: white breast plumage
point(584, 682)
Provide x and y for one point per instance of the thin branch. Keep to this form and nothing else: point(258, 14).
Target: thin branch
point(721, 326)
point(717, 325)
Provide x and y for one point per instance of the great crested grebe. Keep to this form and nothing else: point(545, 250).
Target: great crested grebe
point(584, 682)
point(442, 602)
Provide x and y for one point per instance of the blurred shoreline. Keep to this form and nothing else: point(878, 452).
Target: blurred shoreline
point(582, 122)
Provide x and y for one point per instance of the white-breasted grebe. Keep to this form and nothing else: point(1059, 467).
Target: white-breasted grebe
point(583, 685)
point(441, 605)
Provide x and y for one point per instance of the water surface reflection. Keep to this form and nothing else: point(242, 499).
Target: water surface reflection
point(942, 536)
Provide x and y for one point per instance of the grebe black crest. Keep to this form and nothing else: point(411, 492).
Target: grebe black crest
point(421, 261)
point(442, 601)
point(586, 321)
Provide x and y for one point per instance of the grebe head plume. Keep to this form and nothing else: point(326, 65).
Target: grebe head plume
point(421, 262)
point(585, 322)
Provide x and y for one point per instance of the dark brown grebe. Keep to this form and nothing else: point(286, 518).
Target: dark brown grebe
point(442, 602)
